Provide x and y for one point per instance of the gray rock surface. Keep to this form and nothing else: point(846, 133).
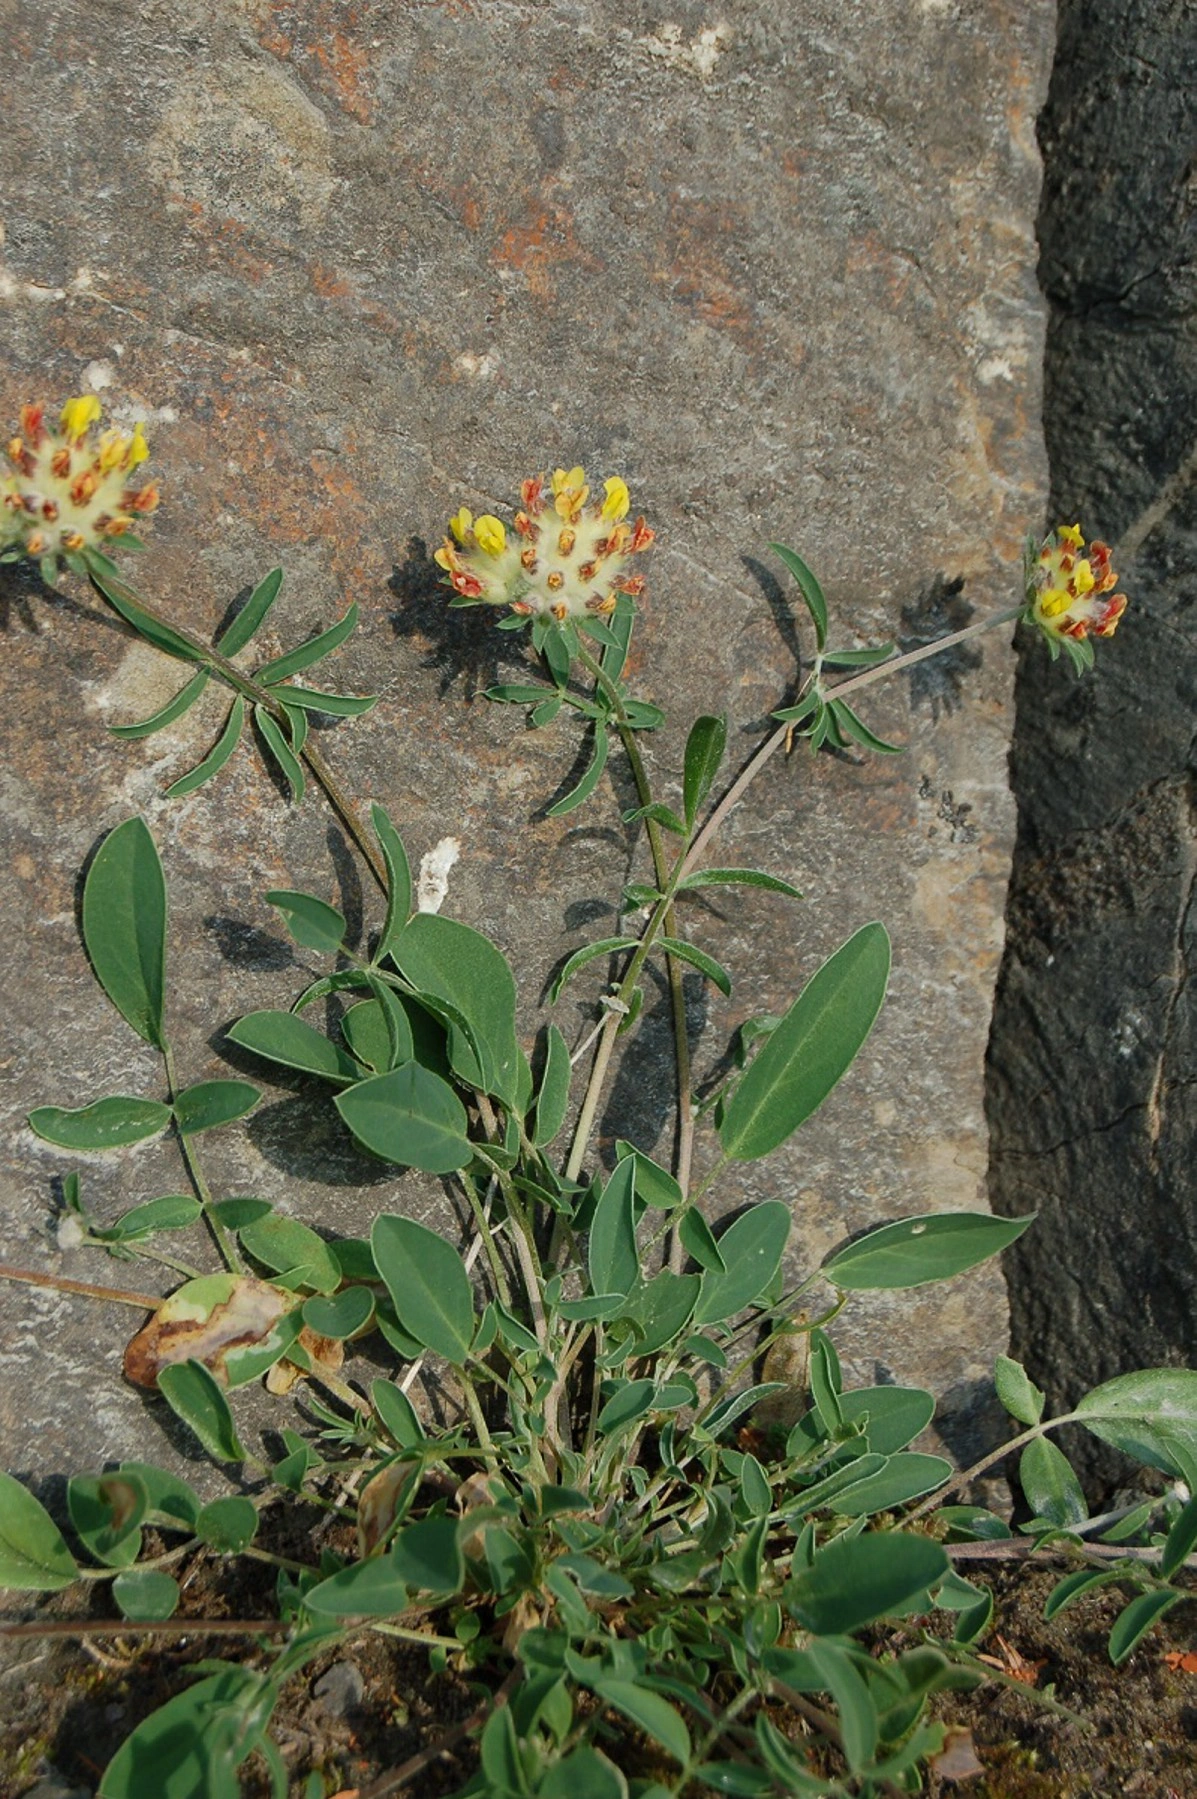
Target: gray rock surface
point(1093, 1101)
point(358, 265)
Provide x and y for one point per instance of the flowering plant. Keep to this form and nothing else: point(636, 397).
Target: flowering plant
point(649, 1512)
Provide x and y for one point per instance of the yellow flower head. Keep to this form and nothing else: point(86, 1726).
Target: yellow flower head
point(1070, 595)
point(68, 490)
point(567, 557)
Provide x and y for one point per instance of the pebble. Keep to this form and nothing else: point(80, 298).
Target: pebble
point(340, 1689)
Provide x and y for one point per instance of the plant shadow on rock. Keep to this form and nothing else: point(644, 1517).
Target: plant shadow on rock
point(939, 609)
point(460, 642)
point(641, 1102)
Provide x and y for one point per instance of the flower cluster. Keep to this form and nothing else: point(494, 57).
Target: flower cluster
point(70, 490)
point(567, 556)
point(1070, 594)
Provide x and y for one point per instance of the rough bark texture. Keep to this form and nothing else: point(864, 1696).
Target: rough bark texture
point(1092, 1099)
point(361, 263)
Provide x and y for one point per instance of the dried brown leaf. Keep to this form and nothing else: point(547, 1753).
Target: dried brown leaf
point(205, 1320)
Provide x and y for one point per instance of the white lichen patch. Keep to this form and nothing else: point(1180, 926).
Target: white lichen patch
point(698, 57)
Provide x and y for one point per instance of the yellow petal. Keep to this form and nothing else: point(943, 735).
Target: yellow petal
point(460, 523)
point(1082, 577)
point(1072, 536)
point(490, 534)
point(618, 499)
point(138, 447)
point(78, 414)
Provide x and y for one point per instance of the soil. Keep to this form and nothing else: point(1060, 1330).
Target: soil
point(1130, 1731)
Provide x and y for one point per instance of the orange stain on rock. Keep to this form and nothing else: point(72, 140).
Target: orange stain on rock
point(545, 243)
point(334, 39)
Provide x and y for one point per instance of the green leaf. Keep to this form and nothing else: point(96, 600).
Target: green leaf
point(410, 1117)
point(737, 877)
point(210, 1103)
point(517, 693)
point(913, 1251)
point(296, 721)
point(1134, 1622)
point(704, 756)
point(372, 1589)
point(590, 780)
point(122, 599)
point(193, 1745)
point(865, 658)
point(906, 1476)
point(314, 650)
point(171, 1501)
point(284, 1244)
point(552, 1101)
point(282, 752)
point(499, 1753)
point(229, 1524)
point(173, 1212)
point(1050, 1487)
point(124, 926)
point(1075, 1585)
point(612, 1260)
point(812, 1047)
point(648, 1712)
point(448, 961)
point(107, 1511)
point(858, 1579)
point(34, 1557)
point(855, 727)
point(1150, 1415)
point(752, 1249)
point(584, 1774)
point(654, 1186)
point(335, 705)
point(427, 1556)
point(697, 958)
point(660, 815)
point(809, 588)
point(398, 878)
point(396, 1413)
point(661, 1309)
point(858, 1722)
point(183, 700)
point(428, 1284)
point(106, 1124)
point(378, 1032)
point(892, 1416)
point(1180, 1540)
point(545, 713)
point(699, 1242)
point(217, 756)
point(606, 946)
point(311, 921)
point(240, 629)
point(1017, 1391)
point(341, 1315)
point(641, 716)
point(283, 1038)
point(195, 1396)
point(146, 1595)
point(632, 1399)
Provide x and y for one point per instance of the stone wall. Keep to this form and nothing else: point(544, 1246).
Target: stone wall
point(357, 264)
point(1094, 1057)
